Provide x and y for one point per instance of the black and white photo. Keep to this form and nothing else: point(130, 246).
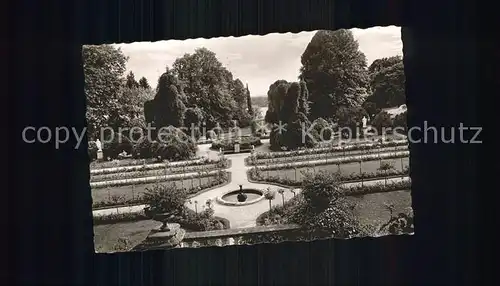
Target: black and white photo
point(245, 140)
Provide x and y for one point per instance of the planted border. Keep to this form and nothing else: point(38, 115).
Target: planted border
point(251, 161)
point(139, 201)
point(256, 177)
point(155, 166)
point(340, 160)
point(158, 172)
point(152, 179)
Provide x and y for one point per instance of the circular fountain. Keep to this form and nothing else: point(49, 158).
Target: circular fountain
point(241, 197)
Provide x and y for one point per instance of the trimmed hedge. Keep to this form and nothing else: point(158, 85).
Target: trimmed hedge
point(158, 172)
point(338, 160)
point(246, 142)
point(256, 176)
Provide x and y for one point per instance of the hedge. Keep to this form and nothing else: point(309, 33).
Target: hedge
point(354, 147)
point(340, 160)
point(137, 166)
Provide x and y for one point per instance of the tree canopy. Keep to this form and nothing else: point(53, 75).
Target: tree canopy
point(143, 82)
point(112, 99)
point(131, 82)
point(335, 72)
point(387, 82)
point(210, 86)
point(286, 108)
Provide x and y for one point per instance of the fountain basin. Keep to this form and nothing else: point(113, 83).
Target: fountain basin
point(231, 198)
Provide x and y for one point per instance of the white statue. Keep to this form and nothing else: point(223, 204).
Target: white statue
point(364, 121)
point(98, 145)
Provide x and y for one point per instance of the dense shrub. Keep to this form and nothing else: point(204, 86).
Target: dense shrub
point(401, 121)
point(382, 121)
point(116, 145)
point(142, 148)
point(164, 199)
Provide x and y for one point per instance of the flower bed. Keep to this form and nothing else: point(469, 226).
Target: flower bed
point(156, 166)
point(340, 160)
point(152, 179)
point(332, 149)
point(158, 172)
point(120, 201)
point(253, 161)
point(257, 176)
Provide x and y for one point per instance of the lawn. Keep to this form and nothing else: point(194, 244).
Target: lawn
point(131, 192)
point(349, 168)
point(106, 237)
point(371, 209)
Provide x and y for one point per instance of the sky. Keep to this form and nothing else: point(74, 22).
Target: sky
point(256, 60)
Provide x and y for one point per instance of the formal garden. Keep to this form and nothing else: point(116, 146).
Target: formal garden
point(211, 162)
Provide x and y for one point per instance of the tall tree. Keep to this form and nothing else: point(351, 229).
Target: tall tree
point(143, 82)
point(284, 110)
point(275, 97)
point(207, 84)
point(335, 72)
point(304, 99)
point(350, 118)
point(241, 98)
point(387, 82)
point(131, 82)
point(167, 106)
point(104, 67)
point(192, 121)
point(249, 102)
point(382, 63)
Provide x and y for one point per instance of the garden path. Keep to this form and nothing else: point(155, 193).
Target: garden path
point(238, 216)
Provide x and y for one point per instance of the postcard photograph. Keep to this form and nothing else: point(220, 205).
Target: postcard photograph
point(246, 140)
